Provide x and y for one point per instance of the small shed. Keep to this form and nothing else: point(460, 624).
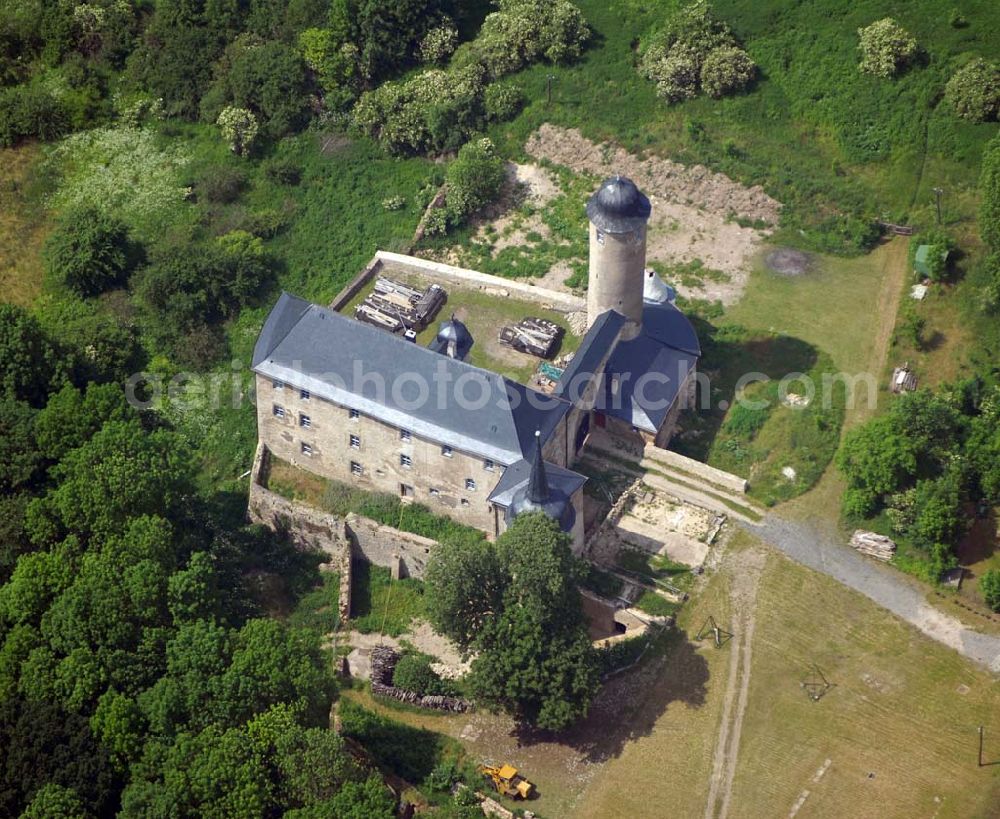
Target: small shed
point(923, 261)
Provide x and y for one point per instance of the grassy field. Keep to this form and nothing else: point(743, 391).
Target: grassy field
point(23, 227)
point(820, 136)
point(903, 708)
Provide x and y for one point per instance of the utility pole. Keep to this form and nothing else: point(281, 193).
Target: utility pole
point(937, 197)
point(980, 746)
point(548, 87)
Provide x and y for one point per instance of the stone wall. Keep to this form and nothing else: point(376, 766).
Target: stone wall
point(342, 539)
point(405, 553)
point(668, 458)
point(309, 529)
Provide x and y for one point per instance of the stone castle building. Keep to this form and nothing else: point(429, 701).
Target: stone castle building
point(355, 403)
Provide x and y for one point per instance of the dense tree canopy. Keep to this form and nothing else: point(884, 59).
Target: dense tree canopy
point(515, 604)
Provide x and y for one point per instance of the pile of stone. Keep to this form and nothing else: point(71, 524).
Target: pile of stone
point(873, 544)
point(384, 661)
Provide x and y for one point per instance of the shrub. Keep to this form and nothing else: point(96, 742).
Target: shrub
point(222, 185)
point(282, 171)
point(621, 654)
point(694, 52)
point(434, 110)
point(522, 32)
point(413, 672)
point(989, 585)
point(27, 111)
point(439, 43)
point(239, 128)
point(886, 48)
point(88, 251)
point(745, 421)
point(727, 70)
point(502, 101)
point(974, 91)
point(474, 179)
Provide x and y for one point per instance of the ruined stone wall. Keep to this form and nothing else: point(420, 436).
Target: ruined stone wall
point(309, 529)
point(405, 553)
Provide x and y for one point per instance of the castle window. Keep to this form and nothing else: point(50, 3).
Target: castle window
point(600, 237)
point(305, 395)
point(304, 420)
point(470, 484)
point(306, 448)
point(404, 435)
point(434, 492)
point(465, 502)
point(447, 451)
point(353, 414)
point(278, 410)
point(356, 469)
point(278, 385)
point(405, 490)
point(488, 465)
point(355, 442)
point(405, 460)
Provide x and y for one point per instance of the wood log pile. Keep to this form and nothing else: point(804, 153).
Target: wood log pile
point(384, 661)
point(873, 544)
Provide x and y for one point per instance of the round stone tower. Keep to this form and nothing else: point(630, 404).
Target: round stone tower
point(618, 213)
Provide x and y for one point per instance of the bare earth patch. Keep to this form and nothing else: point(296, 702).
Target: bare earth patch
point(693, 207)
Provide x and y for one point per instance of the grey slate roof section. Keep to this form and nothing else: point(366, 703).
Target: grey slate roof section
point(668, 325)
point(402, 384)
point(587, 360)
point(644, 401)
point(518, 474)
point(282, 318)
point(618, 206)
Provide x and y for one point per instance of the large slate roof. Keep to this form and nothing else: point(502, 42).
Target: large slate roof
point(407, 385)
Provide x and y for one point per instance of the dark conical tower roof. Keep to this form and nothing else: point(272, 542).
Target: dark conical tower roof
point(618, 206)
point(537, 496)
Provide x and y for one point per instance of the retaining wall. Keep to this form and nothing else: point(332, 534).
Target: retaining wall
point(668, 458)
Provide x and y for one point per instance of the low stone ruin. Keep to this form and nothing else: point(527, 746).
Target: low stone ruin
point(384, 661)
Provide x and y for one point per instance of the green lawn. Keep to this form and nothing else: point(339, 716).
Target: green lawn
point(383, 605)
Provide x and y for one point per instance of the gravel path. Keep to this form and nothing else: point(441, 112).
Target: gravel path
point(822, 549)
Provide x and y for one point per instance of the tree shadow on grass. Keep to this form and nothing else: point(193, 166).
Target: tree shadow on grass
point(629, 704)
point(730, 353)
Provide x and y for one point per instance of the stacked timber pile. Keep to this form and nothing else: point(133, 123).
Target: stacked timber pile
point(397, 307)
point(384, 661)
point(535, 336)
point(873, 544)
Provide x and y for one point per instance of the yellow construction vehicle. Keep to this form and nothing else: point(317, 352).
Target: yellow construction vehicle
point(507, 781)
